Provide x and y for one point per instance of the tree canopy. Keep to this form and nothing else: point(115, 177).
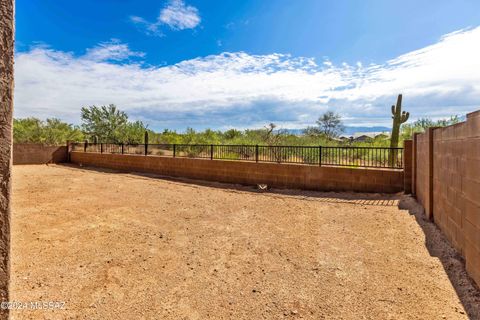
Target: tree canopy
point(329, 125)
point(51, 131)
point(108, 124)
point(422, 124)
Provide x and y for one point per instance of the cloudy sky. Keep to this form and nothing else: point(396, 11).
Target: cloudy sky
point(222, 64)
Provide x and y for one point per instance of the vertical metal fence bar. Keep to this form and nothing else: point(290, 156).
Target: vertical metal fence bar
point(256, 153)
point(383, 156)
point(174, 149)
point(320, 156)
point(211, 152)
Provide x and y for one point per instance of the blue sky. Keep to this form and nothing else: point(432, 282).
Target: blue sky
point(242, 64)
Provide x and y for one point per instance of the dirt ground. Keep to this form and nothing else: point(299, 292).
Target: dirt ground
point(123, 246)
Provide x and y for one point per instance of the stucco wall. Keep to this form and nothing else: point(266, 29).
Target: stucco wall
point(7, 45)
point(251, 173)
point(26, 153)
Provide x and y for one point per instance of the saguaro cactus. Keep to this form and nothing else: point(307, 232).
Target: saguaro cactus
point(398, 117)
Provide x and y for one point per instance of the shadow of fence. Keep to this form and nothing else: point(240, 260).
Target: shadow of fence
point(453, 263)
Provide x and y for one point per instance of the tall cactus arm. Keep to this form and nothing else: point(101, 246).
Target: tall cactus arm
point(393, 110)
point(399, 101)
point(405, 116)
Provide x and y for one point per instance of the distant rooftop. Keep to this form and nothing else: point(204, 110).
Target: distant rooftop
point(367, 134)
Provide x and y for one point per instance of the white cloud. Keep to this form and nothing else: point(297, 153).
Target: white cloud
point(112, 50)
point(150, 28)
point(176, 15)
point(239, 89)
point(179, 16)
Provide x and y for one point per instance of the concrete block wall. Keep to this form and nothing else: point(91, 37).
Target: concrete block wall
point(251, 173)
point(452, 197)
point(423, 164)
point(37, 153)
point(414, 162)
point(448, 172)
point(407, 166)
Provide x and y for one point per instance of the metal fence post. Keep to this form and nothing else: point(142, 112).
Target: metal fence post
point(146, 142)
point(68, 150)
point(320, 156)
point(122, 147)
point(85, 146)
point(256, 153)
point(211, 152)
point(101, 147)
point(174, 149)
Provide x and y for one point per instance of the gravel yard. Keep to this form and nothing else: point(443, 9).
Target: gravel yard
point(125, 246)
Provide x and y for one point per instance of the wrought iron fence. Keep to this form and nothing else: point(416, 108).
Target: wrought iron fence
point(375, 157)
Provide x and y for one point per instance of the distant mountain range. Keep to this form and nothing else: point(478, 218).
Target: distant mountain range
point(350, 130)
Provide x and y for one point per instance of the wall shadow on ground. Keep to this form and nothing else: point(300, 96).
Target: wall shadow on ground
point(435, 242)
point(373, 199)
point(453, 263)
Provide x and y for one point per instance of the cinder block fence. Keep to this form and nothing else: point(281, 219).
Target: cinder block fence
point(250, 173)
point(37, 153)
point(446, 181)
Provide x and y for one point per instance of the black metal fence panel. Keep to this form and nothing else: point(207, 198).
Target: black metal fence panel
point(375, 157)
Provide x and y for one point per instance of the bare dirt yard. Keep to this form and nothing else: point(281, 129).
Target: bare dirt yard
point(126, 246)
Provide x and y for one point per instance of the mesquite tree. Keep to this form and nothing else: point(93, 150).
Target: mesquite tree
point(330, 124)
point(7, 35)
point(111, 125)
